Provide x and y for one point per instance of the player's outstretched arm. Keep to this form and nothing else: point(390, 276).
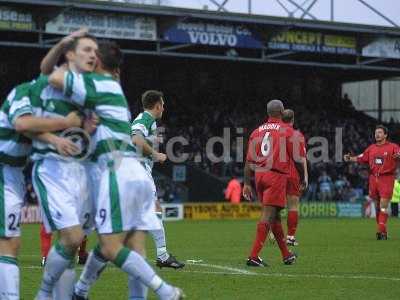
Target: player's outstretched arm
point(140, 142)
point(53, 56)
point(349, 158)
point(29, 123)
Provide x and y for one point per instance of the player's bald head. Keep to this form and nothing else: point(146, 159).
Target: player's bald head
point(288, 116)
point(275, 108)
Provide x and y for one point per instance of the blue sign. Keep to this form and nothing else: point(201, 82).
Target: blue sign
point(211, 34)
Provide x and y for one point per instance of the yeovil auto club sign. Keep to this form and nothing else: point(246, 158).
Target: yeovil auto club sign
point(117, 26)
point(212, 34)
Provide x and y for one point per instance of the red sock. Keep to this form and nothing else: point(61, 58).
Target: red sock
point(378, 210)
point(82, 247)
point(45, 241)
point(280, 238)
point(262, 232)
point(383, 217)
point(292, 220)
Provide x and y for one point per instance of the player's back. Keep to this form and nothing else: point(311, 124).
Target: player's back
point(145, 125)
point(299, 151)
point(270, 147)
point(104, 95)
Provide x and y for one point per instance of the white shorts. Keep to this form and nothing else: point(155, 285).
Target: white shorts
point(62, 190)
point(124, 197)
point(12, 193)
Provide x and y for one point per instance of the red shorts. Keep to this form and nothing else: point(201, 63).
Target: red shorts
point(293, 187)
point(381, 186)
point(271, 188)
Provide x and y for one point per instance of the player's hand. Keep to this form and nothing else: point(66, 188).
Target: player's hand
point(73, 35)
point(65, 147)
point(73, 119)
point(396, 155)
point(159, 157)
point(90, 123)
point(347, 157)
point(247, 192)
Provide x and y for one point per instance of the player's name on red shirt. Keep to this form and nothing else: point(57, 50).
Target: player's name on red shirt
point(270, 147)
point(380, 158)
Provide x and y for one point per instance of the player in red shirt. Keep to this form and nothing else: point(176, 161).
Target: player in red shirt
point(269, 153)
point(293, 189)
point(382, 158)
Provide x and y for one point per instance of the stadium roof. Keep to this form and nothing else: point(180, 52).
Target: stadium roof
point(266, 27)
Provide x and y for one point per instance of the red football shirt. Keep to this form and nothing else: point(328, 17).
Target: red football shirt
point(270, 147)
point(299, 151)
point(380, 158)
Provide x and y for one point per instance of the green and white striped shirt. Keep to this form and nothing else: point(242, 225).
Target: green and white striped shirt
point(145, 124)
point(14, 147)
point(48, 102)
point(103, 95)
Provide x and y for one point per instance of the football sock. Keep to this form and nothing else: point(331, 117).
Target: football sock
point(378, 210)
point(261, 235)
point(137, 290)
point(9, 278)
point(383, 217)
point(58, 260)
point(65, 285)
point(277, 230)
point(292, 221)
point(95, 264)
point(135, 265)
point(45, 241)
point(160, 241)
point(82, 247)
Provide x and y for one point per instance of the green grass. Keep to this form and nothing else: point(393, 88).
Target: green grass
point(338, 259)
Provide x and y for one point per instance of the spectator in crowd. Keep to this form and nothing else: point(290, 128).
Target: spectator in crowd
point(394, 204)
point(233, 191)
point(325, 186)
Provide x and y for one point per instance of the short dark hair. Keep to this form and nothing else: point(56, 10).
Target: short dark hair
point(72, 46)
point(383, 127)
point(288, 116)
point(110, 54)
point(151, 98)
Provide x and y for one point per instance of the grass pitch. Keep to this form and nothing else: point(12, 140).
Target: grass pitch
point(338, 259)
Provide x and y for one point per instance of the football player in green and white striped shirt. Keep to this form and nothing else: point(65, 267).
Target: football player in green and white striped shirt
point(144, 138)
point(61, 183)
point(123, 186)
point(16, 118)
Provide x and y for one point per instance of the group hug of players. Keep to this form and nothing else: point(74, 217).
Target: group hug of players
point(103, 181)
point(276, 157)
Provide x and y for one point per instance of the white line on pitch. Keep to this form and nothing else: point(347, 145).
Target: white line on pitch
point(235, 271)
point(224, 268)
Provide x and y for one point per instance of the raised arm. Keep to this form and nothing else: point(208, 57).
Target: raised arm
point(53, 56)
point(56, 78)
point(72, 84)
